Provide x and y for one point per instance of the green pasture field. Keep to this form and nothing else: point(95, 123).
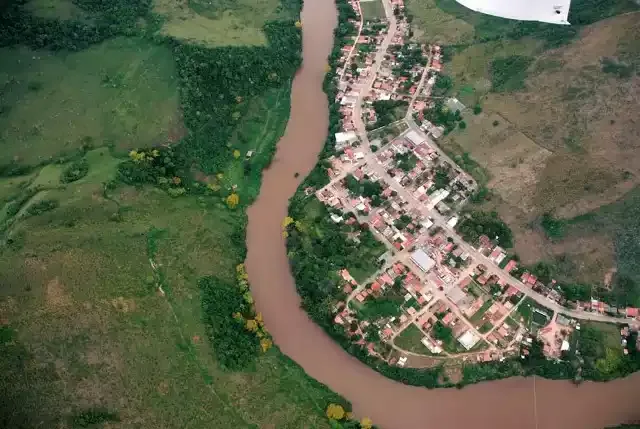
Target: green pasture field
point(372, 9)
point(121, 93)
point(410, 340)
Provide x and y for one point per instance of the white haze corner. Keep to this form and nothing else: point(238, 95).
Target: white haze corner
point(551, 11)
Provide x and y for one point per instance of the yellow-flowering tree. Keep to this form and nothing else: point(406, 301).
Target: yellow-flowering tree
point(298, 24)
point(335, 412)
point(251, 325)
point(287, 221)
point(266, 344)
point(236, 154)
point(233, 200)
point(366, 423)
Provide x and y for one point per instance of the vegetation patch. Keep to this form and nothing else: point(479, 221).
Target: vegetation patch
point(372, 9)
point(478, 223)
point(120, 93)
point(509, 73)
point(410, 340)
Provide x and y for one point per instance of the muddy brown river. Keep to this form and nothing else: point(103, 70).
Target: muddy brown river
point(512, 403)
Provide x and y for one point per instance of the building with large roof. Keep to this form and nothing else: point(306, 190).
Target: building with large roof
point(422, 260)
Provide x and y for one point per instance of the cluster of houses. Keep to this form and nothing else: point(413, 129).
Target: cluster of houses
point(427, 278)
point(550, 290)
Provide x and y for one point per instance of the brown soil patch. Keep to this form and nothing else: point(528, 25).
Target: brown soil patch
point(55, 295)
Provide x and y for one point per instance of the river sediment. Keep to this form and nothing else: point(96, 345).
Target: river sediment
point(531, 403)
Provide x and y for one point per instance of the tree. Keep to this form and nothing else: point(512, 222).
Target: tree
point(265, 344)
point(366, 423)
point(477, 109)
point(233, 200)
point(236, 154)
point(335, 412)
point(251, 325)
point(462, 125)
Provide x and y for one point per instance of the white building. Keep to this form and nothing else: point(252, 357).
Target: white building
point(451, 223)
point(414, 137)
point(348, 138)
point(468, 339)
point(437, 197)
point(422, 260)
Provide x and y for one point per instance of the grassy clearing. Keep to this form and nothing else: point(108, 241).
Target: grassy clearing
point(120, 93)
point(372, 9)
point(225, 23)
point(513, 161)
point(478, 315)
point(409, 340)
point(471, 68)
point(435, 25)
point(620, 222)
point(528, 312)
point(486, 327)
point(257, 132)
point(56, 9)
point(77, 293)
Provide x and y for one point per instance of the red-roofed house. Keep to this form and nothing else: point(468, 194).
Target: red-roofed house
point(386, 278)
point(448, 318)
point(511, 265)
point(511, 291)
point(633, 312)
point(532, 279)
point(464, 282)
point(376, 287)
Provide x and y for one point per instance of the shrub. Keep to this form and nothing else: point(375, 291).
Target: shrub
point(42, 206)
point(509, 73)
point(75, 171)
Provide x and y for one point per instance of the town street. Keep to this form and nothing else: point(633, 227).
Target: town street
point(366, 88)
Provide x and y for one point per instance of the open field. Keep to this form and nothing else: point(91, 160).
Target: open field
point(372, 9)
point(433, 24)
point(56, 9)
point(513, 160)
point(79, 302)
point(120, 93)
point(470, 68)
point(409, 340)
point(237, 23)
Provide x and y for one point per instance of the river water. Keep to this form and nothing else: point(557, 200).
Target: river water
point(512, 403)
